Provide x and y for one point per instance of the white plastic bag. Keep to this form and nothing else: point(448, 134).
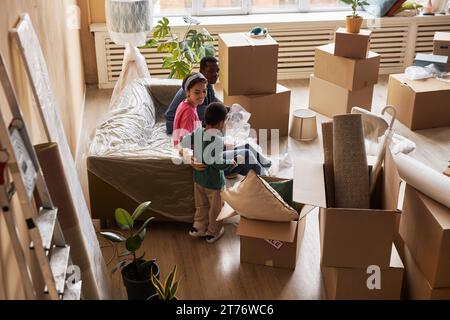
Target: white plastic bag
point(237, 128)
point(418, 73)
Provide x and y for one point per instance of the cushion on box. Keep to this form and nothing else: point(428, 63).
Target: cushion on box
point(254, 198)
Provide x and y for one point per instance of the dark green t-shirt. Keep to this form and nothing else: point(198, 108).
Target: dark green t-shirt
point(207, 146)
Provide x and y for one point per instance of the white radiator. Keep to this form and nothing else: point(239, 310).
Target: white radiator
point(396, 39)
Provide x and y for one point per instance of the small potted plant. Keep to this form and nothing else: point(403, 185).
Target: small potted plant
point(168, 290)
point(353, 22)
point(136, 271)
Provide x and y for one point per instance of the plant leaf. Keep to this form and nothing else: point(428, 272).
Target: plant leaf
point(119, 265)
point(144, 225)
point(140, 209)
point(123, 219)
point(158, 286)
point(170, 278)
point(173, 291)
point(210, 51)
point(133, 244)
point(114, 237)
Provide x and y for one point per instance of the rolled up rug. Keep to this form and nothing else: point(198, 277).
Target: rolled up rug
point(58, 187)
point(351, 173)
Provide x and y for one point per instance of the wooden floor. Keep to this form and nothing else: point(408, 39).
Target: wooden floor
point(214, 271)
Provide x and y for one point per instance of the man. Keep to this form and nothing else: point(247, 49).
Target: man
point(209, 67)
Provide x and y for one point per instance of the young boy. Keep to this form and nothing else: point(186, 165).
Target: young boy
point(207, 144)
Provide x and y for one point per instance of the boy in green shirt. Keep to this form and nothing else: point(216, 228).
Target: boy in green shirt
point(208, 145)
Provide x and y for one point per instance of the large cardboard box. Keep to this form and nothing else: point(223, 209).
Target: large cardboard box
point(351, 74)
point(420, 104)
point(417, 286)
point(337, 100)
point(354, 238)
point(267, 111)
point(352, 45)
point(441, 45)
point(356, 283)
point(247, 65)
point(425, 228)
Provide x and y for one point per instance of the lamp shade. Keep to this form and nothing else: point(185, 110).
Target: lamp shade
point(303, 125)
point(129, 21)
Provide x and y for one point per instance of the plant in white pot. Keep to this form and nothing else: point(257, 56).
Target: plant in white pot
point(353, 22)
point(136, 271)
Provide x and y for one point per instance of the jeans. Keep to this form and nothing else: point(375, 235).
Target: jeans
point(253, 161)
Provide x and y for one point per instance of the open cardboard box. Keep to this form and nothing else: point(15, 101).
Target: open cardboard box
point(351, 283)
point(421, 104)
point(425, 229)
point(274, 244)
point(350, 238)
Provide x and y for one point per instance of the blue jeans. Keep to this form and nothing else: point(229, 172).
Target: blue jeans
point(253, 161)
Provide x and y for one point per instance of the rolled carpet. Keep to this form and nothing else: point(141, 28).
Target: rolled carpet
point(351, 173)
point(327, 138)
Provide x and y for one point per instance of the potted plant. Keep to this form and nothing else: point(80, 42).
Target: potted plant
point(353, 22)
point(168, 290)
point(136, 271)
point(183, 54)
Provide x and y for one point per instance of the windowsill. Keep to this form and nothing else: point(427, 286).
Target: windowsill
point(274, 18)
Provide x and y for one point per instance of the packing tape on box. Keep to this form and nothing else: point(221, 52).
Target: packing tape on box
point(428, 181)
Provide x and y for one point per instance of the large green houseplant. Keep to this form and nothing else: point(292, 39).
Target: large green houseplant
point(354, 21)
point(136, 271)
point(183, 55)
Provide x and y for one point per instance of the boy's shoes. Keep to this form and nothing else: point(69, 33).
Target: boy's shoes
point(212, 239)
point(195, 233)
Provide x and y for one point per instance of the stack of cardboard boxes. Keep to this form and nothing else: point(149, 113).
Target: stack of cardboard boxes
point(425, 230)
point(422, 104)
point(248, 74)
point(358, 257)
point(345, 73)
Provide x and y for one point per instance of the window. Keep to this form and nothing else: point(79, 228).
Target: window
point(223, 7)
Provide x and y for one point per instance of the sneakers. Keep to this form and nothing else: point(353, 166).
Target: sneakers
point(212, 239)
point(195, 233)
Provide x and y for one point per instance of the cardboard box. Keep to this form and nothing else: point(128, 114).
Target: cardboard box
point(425, 228)
point(267, 111)
point(354, 238)
point(337, 100)
point(352, 283)
point(352, 45)
point(420, 104)
point(417, 286)
point(273, 244)
point(351, 74)
point(247, 65)
point(441, 45)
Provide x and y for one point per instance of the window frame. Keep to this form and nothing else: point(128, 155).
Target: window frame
point(197, 9)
